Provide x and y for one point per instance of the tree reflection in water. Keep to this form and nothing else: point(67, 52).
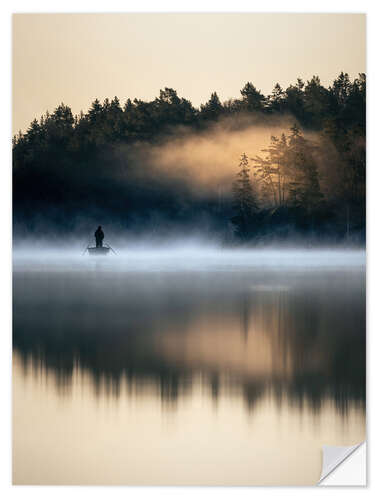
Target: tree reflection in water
point(298, 337)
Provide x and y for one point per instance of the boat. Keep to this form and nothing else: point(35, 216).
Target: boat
point(98, 250)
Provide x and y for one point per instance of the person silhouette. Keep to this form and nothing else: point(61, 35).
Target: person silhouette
point(99, 237)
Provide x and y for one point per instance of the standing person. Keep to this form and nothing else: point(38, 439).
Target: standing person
point(99, 237)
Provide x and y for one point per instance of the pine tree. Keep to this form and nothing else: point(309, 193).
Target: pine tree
point(252, 99)
point(272, 171)
point(245, 204)
point(304, 187)
point(277, 98)
point(212, 109)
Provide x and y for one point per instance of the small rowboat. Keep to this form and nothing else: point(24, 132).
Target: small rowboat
point(98, 250)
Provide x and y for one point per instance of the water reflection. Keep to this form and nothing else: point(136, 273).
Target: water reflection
point(296, 337)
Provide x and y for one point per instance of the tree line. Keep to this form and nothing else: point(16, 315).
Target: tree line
point(297, 183)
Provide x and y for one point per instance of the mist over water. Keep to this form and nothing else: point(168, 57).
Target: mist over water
point(180, 255)
point(173, 356)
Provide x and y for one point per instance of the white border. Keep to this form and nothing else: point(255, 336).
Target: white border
point(8, 7)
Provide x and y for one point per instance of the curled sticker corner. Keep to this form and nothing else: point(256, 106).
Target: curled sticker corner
point(333, 456)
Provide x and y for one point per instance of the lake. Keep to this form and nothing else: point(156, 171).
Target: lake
point(186, 367)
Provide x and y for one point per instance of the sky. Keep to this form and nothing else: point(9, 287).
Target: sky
point(75, 58)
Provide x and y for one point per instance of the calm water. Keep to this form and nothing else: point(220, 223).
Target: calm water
point(220, 368)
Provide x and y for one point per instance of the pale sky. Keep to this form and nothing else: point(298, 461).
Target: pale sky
point(75, 58)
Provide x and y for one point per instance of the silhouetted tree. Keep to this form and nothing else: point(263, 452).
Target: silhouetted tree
point(252, 99)
point(316, 102)
point(294, 100)
point(212, 109)
point(245, 204)
point(276, 100)
point(272, 171)
point(304, 187)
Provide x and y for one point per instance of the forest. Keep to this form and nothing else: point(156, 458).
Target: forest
point(72, 172)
